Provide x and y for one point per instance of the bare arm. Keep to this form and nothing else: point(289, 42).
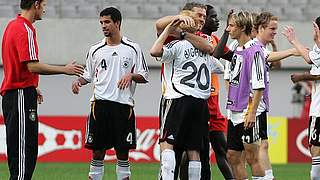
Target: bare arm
point(200, 43)
point(290, 35)
point(219, 49)
point(279, 55)
point(76, 84)
point(304, 77)
point(251, 118)
point(163, 22)
point(46, 69)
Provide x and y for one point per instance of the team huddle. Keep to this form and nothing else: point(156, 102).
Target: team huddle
point(192, 58)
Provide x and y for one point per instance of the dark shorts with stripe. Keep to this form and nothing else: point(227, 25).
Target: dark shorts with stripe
point(184, 122)
point(263, 126)
point(314, 131)
point(111, 125)
point(21, 119)
point(237, 135)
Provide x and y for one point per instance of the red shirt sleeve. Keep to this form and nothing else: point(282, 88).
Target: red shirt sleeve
point(26, 45)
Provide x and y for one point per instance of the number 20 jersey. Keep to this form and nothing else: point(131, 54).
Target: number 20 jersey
point(186, 71)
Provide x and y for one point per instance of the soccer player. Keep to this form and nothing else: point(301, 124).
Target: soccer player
point(114, 65)
point(311, 57)
point(188, 87)
point(20, 90)
point(247, 89)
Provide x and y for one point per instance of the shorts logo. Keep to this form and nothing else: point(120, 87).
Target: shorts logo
point(170, 137)
point(32, 115)
point(90, 139)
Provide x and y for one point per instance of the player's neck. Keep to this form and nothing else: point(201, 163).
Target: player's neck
point(261, 40)
point(113, 40)
point(243, 39)
point(29, 15)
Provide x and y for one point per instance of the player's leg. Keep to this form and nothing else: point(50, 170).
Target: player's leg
point(251, 139)
point(96, 171)
point(125, 138)
point(20, 115)
point(235, 148)
point(264, 148)
point(219, 145)
point(314, 136)
point(184, 165)
point(180, 161)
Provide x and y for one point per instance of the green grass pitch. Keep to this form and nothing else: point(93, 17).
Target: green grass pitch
point(140, 171)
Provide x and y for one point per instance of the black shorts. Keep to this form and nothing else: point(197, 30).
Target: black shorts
point(314, 131)
point(185, 122)
point(237, 135)
point(263, 126)
point(110, 124)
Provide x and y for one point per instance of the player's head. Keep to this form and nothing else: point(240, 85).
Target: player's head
point(110, 21)
point(199, 9)
point(212, 22)
point(254, 31)
point(318, 21)
point(239, 24)
point(38, 6)
point(188, 28)
point(267, 25)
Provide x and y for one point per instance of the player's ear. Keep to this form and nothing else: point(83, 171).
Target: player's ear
point(37, 4)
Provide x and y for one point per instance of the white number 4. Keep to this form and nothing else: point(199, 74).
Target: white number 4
point(129, 138)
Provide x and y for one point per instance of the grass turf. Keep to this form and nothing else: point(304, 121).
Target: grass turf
point(140, 171)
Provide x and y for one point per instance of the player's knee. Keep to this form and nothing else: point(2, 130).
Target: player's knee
point(252, 158)
point(264, 145)
point(232, 158)
point(98, 154)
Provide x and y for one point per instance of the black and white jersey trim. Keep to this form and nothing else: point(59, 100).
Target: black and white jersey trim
point(129, 46)
point(22, 135)
point(258, 66)
point(98, 48)
point(170, 44)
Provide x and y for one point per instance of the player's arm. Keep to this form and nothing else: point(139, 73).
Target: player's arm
point(279, 55)
point(274, 64)
point(70, 69)
point(289, 33)
point(251, 118)
point(163, 22)
point(199, 42)
point(304, 77)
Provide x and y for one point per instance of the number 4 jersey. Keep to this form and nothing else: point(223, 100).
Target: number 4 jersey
point(187, 70)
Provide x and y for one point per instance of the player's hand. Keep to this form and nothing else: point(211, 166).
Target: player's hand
point(187, 20)
point(250, 121)
point(296, 77)
point(316, 33)
point(74, 69)
point(125, 81)
point(76, 86)
point(289, 33)
point(39, 96)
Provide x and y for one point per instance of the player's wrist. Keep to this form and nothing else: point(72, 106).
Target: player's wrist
point(182, 34)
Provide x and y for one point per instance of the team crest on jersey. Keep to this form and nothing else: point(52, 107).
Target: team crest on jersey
point(126, 62)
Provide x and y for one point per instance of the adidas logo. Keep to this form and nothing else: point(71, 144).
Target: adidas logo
point(114, 54)
point(170, 137)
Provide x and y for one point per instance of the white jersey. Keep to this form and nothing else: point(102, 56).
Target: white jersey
point(314, 56)
point(186, 70)
point(106, 65)
point(256, 83)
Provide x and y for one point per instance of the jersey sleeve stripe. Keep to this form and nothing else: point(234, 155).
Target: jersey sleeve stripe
point(129, 46)
point(98, 49)
point(258, 66)
point(32, 50)
point(145, 67)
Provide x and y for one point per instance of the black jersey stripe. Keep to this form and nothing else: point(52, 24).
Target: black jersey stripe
point(98, 48)
point(129, 46)
point(144, 64)
point(258, 66)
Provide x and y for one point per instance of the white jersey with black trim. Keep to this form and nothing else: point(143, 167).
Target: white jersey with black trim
point(186, 70)
point(314, 56)
point(106, 65)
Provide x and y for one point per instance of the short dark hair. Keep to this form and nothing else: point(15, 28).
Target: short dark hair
point(113, 12)
point(191, 5)
point(27, 4)
point(318, 21)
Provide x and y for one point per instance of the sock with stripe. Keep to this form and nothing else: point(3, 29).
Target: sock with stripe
point(258, 178)
point(194, 170)
point(96, 170)
point(315, 168)
point(123, 170)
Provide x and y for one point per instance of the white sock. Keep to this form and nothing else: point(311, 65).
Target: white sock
point(96, 170)
point(269, 174)
point(168, 164)
point(194, 170)
point(123, 170)
point(315, 168)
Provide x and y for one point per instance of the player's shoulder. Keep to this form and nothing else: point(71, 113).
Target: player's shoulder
point(172, 43)
point(97, 46)
point(128, 42)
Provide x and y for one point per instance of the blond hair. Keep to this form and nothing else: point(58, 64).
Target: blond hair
point(243, 19)
point(189, 28)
